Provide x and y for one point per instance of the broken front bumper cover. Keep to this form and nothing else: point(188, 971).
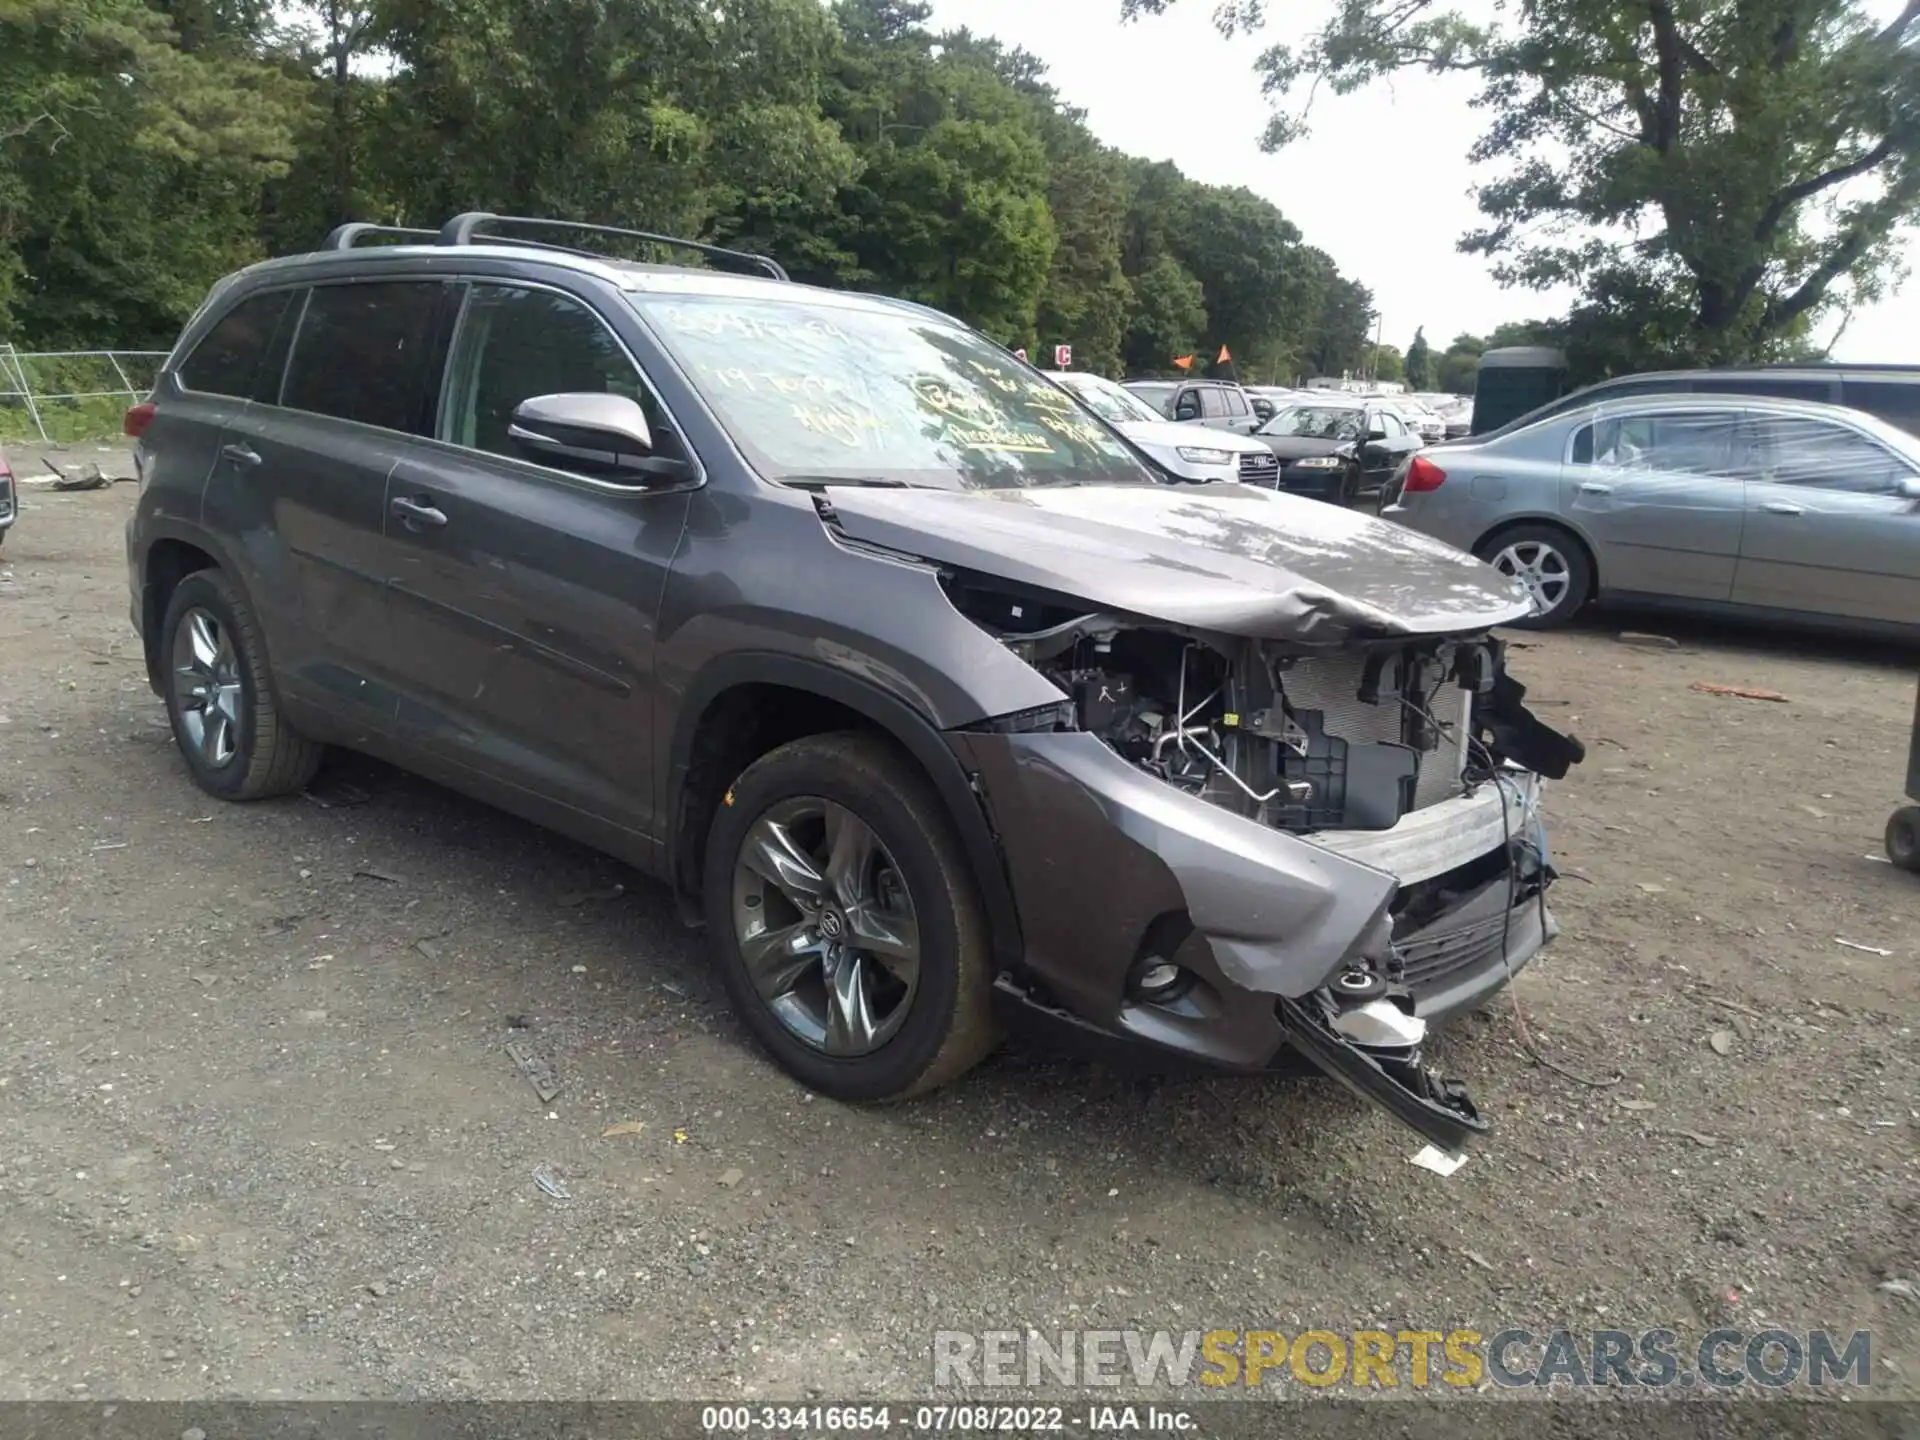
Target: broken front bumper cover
point(1109, 865)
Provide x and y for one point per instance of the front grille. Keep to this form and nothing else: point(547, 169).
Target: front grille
point(1428, 964)
point(1260, 469)
point(1331, 685)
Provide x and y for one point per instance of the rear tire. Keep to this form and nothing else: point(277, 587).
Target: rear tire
point(1903, 837)
point(1551, 562)
point(855, 1022)
point(219, 693)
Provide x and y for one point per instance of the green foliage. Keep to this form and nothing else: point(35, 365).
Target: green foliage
point(1386, 363)
point(147, 148)
point(1419, 362)
point(1712, 176)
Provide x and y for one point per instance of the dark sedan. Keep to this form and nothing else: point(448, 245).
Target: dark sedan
point(1337, 450)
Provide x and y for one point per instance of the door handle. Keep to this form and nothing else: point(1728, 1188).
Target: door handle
point(418, 514)
point(240, 454)
point(1591, 487)
point(1781, 507)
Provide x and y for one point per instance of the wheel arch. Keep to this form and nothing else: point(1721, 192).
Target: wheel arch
point(727, 720)
point(168, 559)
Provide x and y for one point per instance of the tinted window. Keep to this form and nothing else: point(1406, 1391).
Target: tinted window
point(1819, 454)
point(1893, 401)
point(232, 358)
point(516, 343)
point(1583, 445)
point(1773, 387)
point(361, 352)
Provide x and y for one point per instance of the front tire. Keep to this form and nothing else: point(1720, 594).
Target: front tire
point(219, 695)
point(1551, 563)
point(845, 923)
point(1903, 837)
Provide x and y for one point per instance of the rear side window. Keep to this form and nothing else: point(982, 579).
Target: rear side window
point(1236, 402)
point(1693, 443)
point(362, 350)
point(1895, 402)
point(239, 356)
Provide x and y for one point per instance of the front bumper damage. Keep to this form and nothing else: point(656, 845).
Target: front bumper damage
point(1342, 947)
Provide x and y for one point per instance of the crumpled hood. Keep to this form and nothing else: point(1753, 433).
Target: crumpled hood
point(1166, 435)
point(1225, 557)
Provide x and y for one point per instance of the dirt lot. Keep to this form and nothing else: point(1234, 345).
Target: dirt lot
point(259, 1134)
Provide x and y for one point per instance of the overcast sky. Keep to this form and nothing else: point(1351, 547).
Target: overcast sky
point(1382, 184)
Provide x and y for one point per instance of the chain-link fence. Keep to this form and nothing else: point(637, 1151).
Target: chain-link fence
point(56, 396)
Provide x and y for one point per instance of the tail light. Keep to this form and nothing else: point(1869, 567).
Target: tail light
point(138, 418)
point(1423, 475)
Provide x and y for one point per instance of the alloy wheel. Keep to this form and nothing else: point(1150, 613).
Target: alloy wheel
point(1541, 568)
point(207, 687)
point(825, 926)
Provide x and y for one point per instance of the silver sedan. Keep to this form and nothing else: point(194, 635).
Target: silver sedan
point(1733, 505)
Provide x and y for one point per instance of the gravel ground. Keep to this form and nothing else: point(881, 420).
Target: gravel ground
point(260, 1134)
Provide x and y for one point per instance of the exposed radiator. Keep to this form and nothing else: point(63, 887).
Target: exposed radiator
point(1331, 685)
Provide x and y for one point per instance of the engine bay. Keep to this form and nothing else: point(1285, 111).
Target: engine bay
point(1297, 738)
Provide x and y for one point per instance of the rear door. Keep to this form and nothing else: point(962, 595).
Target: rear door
point(525, 597)
point(303, 477)
point(1239, 416)
point(1828, 529)
point(235, 362)
point(1657, 493)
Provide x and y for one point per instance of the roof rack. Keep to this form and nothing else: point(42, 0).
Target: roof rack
point(468, 230)
point(345, 237)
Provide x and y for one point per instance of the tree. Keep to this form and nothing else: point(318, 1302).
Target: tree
point(1712, 176)
point(1385, 363)
point(1345, 322)
point(1459, 365)
point(1419, 363)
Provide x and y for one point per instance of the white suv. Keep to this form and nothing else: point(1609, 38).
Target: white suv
point(1184, 451)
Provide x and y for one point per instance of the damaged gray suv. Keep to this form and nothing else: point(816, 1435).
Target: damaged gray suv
point(928, 697)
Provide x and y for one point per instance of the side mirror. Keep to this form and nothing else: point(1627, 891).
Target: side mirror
point(1910, 487)
point(592, 432)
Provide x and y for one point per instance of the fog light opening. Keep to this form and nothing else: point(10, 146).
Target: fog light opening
point(1156, 979)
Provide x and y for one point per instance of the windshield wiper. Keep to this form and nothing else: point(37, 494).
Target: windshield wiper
point(820, 482)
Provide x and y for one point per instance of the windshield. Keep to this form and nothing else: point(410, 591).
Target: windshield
point(816, 392)
point(1109, 401)
point(1317, 422)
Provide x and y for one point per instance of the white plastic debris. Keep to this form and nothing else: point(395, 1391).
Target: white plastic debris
point(1440, 1162)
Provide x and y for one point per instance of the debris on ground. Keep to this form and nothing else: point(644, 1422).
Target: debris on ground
point(1646, 641)
point(1721, 1041)
point(581, 897)
point(536, 1067)
point(336, 795)
point(1705, 1142)
point(551, 1184)
point(1902, 1289)
point(1636, 1105)
point(367, 872)
point(1856, 945)
point(88, 477)
point(1477, 1258)
point(1738, 692)
point(623, 1127)
point(1440, 1162)
point(731, 1177)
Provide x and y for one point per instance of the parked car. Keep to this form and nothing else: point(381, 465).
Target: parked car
point(1723, 505)
point(1175, 448)
point(897, 666)
point(1337, 449)
point(1890, 392)
point(9, 503)
point(1416, 417)
point(1213, 403)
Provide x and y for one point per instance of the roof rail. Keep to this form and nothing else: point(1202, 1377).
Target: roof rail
point(468, 230)
point(345, 237)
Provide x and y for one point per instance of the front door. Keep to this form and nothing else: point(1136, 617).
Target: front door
point(524, 597)
point(1829, 529)
point(1657, 493)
